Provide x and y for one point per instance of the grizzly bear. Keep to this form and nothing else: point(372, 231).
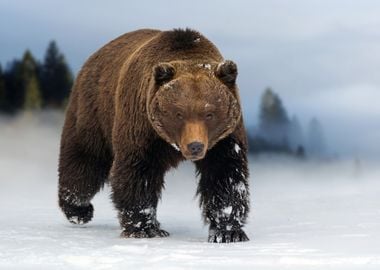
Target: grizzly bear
point(140, 105)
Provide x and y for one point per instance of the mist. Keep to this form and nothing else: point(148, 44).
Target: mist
point(305, 214)
point(321, 57)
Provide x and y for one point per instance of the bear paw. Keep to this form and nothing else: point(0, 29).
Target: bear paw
point(224, 236)
point(78, 214)
point(145, 233)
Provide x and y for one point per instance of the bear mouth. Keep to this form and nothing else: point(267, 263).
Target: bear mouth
point(195, 158)
point(187, 155)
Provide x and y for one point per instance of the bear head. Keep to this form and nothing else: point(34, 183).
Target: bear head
point(194, 105)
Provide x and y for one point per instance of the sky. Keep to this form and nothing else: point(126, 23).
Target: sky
point(322, 57)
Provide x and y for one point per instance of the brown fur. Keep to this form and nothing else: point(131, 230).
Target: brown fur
point(133, 98)
point(195, 131)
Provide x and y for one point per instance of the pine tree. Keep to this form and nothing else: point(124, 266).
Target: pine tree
point(33, 99)
point(56, 77)
point(316, 138)
point(295, 133)
point(3, 97)
point(300, 152)
point(271, 109)
point(31, 89)
point(14, 86)
point(28, 65)
point(274, 121)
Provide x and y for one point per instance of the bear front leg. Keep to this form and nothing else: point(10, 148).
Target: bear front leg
point(223, 189)
point(137, 181)
point(81, 176)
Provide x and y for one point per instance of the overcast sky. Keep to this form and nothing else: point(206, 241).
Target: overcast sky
point(322, 57)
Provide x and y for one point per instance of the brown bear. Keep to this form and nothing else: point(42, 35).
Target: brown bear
point(140, 105)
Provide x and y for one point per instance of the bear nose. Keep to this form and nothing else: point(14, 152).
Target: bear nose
point(195, 148)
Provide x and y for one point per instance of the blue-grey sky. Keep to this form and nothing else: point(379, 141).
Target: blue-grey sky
point(321, 56)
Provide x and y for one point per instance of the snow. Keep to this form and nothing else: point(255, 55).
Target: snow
point(227, 210)
point(240, 187)
point(76, 220)
point(205, 66)
point(237, 148)
point(147, 211)
point(175, 146)
point(304, 216)
point(138, 224)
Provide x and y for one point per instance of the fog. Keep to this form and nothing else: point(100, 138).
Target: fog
point(305, 214)
point(320, 56)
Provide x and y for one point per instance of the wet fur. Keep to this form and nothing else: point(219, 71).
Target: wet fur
point(108, 136)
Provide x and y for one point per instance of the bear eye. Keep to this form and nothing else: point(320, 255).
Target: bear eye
point(179, 115)
point(209, 116)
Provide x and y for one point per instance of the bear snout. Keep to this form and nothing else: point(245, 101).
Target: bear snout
point(195, 148)
point(194, 140)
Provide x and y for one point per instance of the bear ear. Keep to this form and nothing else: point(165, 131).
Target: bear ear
point(163, 72)
point(227, 72)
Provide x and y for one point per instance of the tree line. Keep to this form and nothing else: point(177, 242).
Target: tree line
point(276, 132)
point(28, 84)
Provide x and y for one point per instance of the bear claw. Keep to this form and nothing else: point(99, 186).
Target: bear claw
point(218, 236)
point(147, 233)
point(79, 214)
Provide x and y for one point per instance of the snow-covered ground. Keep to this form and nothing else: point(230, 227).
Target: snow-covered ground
point(304, 215)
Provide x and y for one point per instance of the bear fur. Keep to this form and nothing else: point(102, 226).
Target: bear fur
point(140, 105)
